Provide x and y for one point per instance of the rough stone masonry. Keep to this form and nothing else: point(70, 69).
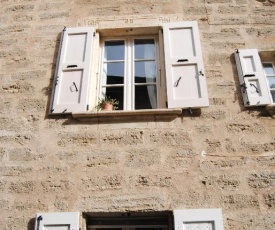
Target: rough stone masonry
point(149, 163)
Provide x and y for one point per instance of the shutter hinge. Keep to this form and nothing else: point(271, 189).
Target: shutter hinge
point(166, 103)
point(94, 34)
point(56, 80)
point(161, 31)
point(87, 107)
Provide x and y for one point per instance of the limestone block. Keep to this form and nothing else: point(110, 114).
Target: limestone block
point(102, 182)
point(170, 137)
point(224, 181)
point(153, 180)
point(22, 187)
point(262, 180)
point(230, 163)
point(239, 201)
point(269, 200)
point(142, 157)
point(55, 186)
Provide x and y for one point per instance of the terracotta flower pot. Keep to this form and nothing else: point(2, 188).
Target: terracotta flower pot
point(107, 107)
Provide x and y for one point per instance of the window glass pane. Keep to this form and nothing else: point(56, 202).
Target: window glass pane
point(268, 68)
point(114, 73)
point(145, 71)
point(146, 97)
point(271, 82)
point(115, 93)
point(144, 49)
point(114, 50)
point(273, 95)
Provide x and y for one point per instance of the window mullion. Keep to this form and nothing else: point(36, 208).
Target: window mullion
point(129, 75)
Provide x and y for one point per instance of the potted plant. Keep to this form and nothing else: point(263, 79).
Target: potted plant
point(106, 104)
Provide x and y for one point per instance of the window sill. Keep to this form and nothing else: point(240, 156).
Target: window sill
point(271, 110)
point(145, 112)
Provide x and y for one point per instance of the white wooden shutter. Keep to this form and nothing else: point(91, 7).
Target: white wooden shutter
point(199, 219)
point(253, 83)
point(57, 221)
point(70, 88)
point(185, 75)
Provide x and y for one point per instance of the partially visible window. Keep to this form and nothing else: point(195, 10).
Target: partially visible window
point(129, 72)
point(129, 221)
point(270, 75)
point(254, 88)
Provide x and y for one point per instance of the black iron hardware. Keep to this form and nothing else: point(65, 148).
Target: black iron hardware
point(76, 89)
point(71, 66)
point(182, 60)
point(251, 84)
point(38, 221)
point(244, 87)
point(177, 82)
point(249, 75)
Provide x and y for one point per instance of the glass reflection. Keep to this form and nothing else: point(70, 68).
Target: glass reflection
point(114, 73)
point(271, 82)
point(273, 95)
point(114, 50)
point(146, 97)
point(145, 72)
point(144, 49)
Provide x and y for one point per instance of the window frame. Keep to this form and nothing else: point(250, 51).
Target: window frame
point(129, 75)
point(270, 89)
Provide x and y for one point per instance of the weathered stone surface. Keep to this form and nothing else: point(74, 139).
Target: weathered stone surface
point(139, 158)
point(225, 181)
point(22, 187)
point(262, 180)
point(221, 156)
point(239, 201)
point(223, 163)
point(102, 182)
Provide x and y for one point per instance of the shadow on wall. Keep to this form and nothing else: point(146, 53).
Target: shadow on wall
point(48, 89)
point(31, 224)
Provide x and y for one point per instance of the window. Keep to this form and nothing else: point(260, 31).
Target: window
point(254, 88)
point(131, 69)
point(129, 221)
point(129, 72)
point(270, 75)
point(186, 219)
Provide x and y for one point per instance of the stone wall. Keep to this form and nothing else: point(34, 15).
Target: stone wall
point(222, 156)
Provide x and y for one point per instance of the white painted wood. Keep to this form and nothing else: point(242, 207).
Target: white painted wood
point(253, 83)
point(198, 226)
point(210, 219)
point(57, 221)
point(70, 88)
point(185, 75)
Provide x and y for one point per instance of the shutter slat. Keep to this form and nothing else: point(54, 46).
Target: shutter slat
point(253, 84)
point(183, 60)
point(73, 71)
